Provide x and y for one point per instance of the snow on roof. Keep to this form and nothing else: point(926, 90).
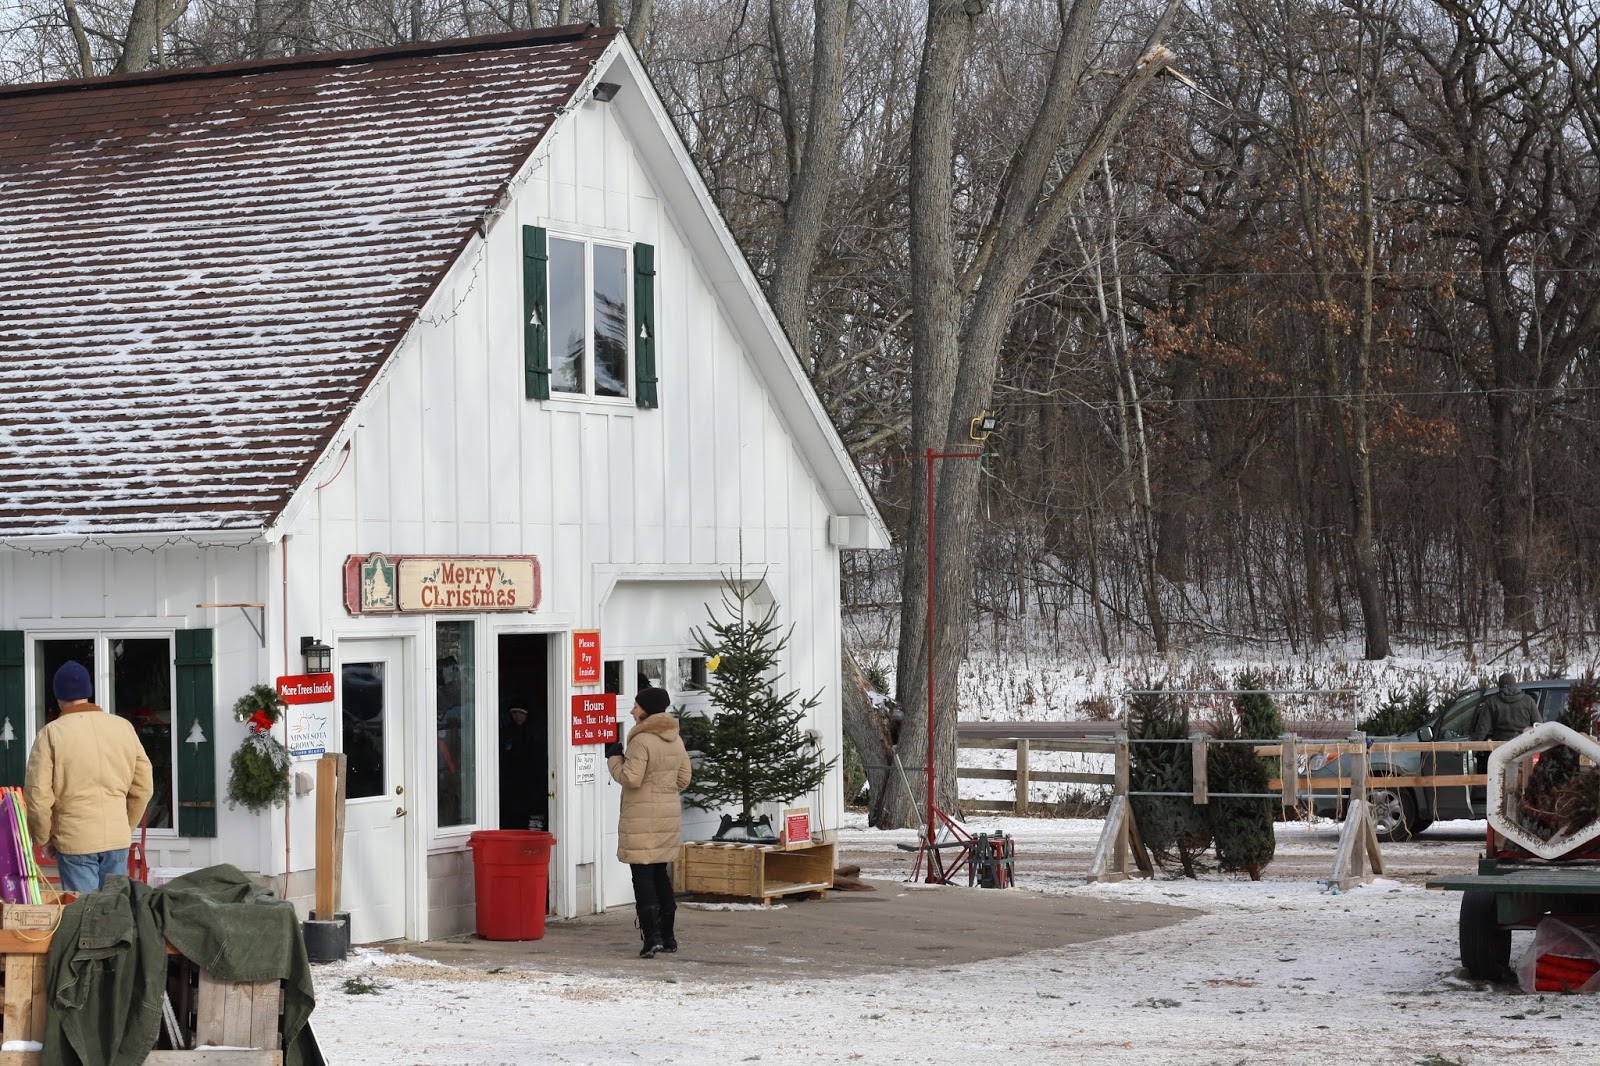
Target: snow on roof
point(201, 270)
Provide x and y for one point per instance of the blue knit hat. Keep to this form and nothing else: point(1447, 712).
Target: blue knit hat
point(72, 683)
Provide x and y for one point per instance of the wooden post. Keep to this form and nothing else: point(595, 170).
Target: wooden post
point(1119, 790)
point(1358, 766)
point(1022, 776)
point(330, 833)
point(1198, 757)
point(1119, 787)
point(1289, 770)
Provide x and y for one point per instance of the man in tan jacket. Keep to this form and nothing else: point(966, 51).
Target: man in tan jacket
point(87, 784)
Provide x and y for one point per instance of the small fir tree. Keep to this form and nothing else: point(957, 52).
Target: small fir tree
point(752, 750)
point(1241, 828)
point(1173, 827)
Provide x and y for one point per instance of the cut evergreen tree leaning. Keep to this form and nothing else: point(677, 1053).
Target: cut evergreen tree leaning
point(751, 748)
point(1173, 827)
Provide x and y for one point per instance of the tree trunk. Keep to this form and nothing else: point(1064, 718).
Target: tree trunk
point(80, 40)
point(812, 177)
point(955, 357)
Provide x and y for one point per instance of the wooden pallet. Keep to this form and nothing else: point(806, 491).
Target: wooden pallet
point(216, 1014)
point(754, 871)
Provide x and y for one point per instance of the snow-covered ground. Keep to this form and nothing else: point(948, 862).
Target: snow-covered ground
point(1275, 972)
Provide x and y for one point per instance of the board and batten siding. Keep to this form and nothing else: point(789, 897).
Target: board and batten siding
point(448, 457)
point(90, 591)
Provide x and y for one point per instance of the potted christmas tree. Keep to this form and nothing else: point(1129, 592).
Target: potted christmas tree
point(751, 749)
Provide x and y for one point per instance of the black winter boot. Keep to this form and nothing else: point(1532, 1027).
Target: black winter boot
point(669, 911)
point(649, 931)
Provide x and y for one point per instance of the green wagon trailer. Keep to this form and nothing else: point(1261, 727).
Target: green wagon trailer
point(1514, 890)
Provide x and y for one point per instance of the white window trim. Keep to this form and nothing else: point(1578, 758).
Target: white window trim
point(590, 397)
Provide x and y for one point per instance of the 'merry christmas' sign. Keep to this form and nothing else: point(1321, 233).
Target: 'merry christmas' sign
point(391, 584)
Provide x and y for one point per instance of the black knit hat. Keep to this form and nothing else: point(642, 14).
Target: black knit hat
point(653, 700)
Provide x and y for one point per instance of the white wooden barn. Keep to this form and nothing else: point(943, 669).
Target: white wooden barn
point(440, 356)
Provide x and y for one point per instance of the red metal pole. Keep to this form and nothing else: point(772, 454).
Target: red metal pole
point(929, 760)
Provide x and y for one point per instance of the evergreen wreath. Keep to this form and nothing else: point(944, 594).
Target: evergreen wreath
point(258, 775)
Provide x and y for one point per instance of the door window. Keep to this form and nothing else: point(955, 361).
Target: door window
point(1456, 724)
point(362, 718)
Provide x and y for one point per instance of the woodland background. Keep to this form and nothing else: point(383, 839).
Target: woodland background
point(1295, 348)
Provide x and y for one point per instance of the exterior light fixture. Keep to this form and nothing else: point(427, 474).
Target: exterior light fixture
point(605, 90)
point(983, 425)
point(318, 656)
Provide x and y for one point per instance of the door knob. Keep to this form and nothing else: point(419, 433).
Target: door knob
point(399, 812)
point(399, 790)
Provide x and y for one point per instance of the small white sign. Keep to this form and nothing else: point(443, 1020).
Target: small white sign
point(584, 768)
point(308, 729)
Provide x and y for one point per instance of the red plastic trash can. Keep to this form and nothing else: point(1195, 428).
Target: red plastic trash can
point(510, 879)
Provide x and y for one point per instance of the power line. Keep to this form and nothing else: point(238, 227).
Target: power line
point(1106, 405)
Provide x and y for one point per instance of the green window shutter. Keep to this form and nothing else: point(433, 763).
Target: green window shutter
point(644, 317)
point(197, 735)
point(13, 715)
point(536, 312)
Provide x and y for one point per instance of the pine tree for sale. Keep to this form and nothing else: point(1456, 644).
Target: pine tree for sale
point(1173, 827)
point(751, 747)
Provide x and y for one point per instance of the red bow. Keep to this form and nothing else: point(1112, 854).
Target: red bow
point(261, 721)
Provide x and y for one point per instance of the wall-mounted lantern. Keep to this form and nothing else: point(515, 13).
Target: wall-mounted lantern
point(318, 656)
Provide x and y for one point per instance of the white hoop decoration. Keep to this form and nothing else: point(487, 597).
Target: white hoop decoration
point(1503, 768)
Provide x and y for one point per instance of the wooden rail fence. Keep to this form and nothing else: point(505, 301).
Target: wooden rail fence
point(1357, 858)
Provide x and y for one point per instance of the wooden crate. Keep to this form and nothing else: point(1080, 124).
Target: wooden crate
point(221, 1014)
point(753, 871)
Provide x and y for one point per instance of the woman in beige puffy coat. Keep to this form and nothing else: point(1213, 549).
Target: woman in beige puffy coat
point(652, 774)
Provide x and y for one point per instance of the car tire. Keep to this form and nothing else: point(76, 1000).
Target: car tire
point(1485, 946)
point(1393, 812)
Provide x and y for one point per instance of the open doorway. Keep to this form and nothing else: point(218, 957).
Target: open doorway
point(524, 731)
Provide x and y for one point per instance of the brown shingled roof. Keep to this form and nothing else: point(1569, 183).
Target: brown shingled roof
point(201, 270)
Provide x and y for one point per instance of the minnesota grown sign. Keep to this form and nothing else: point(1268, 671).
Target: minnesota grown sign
point(400, 584)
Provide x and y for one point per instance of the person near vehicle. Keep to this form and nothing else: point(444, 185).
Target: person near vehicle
point(86, 786)
point(652, 770)
point(1505, 713)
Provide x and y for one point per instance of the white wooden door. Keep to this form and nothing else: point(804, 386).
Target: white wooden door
point(378, 797)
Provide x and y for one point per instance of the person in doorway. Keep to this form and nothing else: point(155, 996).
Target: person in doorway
point(1505, 713)
point(87, 784)
point(522, 772)
point(652, 773)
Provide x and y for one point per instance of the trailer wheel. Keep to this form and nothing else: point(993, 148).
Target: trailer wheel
point(1485, 946)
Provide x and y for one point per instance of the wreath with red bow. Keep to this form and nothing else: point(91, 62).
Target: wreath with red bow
point(259, 770)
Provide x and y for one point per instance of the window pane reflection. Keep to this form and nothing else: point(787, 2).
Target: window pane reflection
point(610, 321)
point(454, 701)
point(141, 692)
point(567, 288)
point(51, 654)
point(362, 715)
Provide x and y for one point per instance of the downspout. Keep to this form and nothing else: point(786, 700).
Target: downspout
point(283, 548)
